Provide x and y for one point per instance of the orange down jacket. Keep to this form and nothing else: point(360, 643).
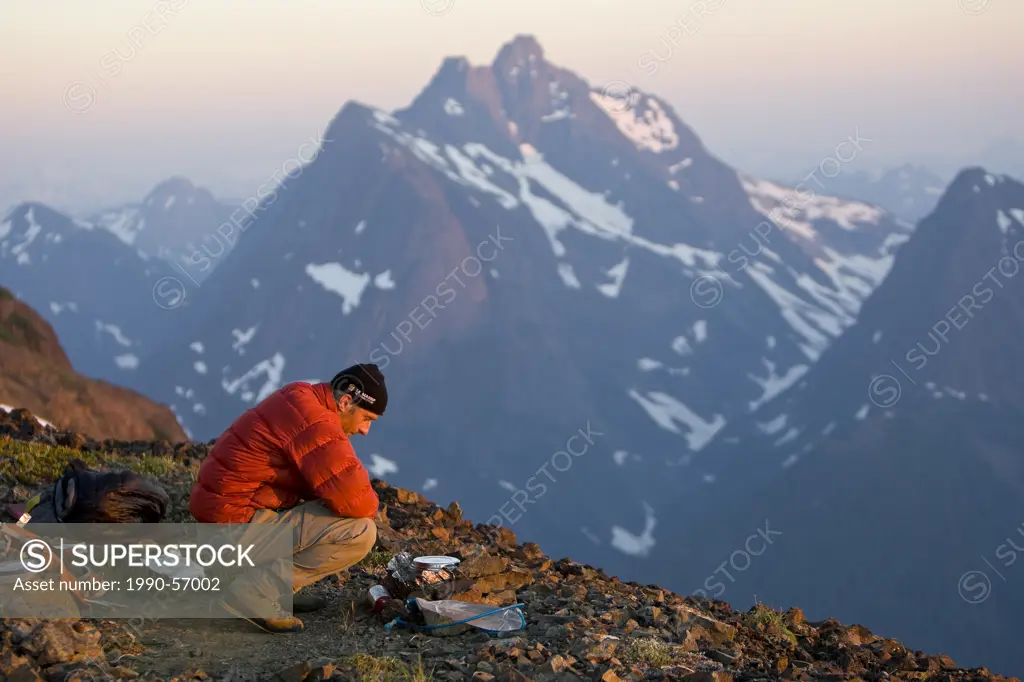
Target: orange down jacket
point(287, 449)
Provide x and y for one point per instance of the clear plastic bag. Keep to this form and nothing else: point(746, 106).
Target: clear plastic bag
point(450, 617)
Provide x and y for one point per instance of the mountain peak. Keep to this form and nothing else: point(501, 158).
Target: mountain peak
point(175, 183)
point(976, 189)
point(521, 49)
point(454, 64)
point(975, 180)
point(353, 116)
point(177, 189)
point(968, 177)
point(456, 73)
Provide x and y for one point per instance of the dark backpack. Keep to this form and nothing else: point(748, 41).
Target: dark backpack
point(82, 495)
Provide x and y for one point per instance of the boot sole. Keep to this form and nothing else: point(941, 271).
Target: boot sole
point(258, 622)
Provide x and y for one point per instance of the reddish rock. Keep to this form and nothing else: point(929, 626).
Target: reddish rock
point(483, 565)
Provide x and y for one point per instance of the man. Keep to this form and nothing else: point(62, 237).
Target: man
point(288, 460)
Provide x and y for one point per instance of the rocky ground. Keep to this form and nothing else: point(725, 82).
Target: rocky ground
point(581, 623)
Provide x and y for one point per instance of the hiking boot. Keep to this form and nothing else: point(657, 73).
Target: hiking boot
point(307, 603)
point(278, 626)
point(274, 626)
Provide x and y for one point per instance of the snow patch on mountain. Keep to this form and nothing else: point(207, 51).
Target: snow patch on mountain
point(58, 308)
point(20, 250)
point(682, 165)
point(650, 364)
point(8, 408)
point(618, 275)
point(559, 104)
point(641, 544)
point(453, 108)
point(853, 275)
point(773, 426)
point(381, 466)
point(125, 223)
point(127, 361)
point(114, 331)
point(337, 279)
point(800, 315)
point(242, 338)
point(641, 120)
point(666, 411)
point(774, 384)
point(788, 437)
point(568, 276)
point(269, 371)
point(681, 346)
point(797, 212)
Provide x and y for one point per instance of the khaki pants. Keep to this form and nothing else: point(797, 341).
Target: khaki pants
point(324, 544)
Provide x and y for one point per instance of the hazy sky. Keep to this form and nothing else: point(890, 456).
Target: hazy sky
point(222, 91)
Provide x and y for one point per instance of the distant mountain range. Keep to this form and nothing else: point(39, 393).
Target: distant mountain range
point(576, 256)
point(893, 470)
point(177, 222)
point(909, 188)
point(93, 279)
point(529, 259)
point(909, 192)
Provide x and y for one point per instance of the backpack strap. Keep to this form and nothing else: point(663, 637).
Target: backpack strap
point(64, 493)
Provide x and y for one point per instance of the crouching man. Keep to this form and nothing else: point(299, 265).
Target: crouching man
point(288, 460)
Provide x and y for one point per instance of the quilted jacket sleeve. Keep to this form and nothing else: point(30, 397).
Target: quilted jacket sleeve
point(326, 460)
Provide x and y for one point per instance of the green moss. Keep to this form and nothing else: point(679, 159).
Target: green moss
point(18, 330)
point(6, 295)
point(376, 559)
point(650, 652)
point(765, 619)
point(384, 669)
point(30, 463)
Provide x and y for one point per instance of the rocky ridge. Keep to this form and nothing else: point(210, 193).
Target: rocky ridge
point(581, 622)
point(35, 372)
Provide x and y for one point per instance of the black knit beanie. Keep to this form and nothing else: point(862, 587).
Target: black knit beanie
point(365, 384)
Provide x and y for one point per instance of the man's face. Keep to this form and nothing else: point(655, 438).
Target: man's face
point(354, 419)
